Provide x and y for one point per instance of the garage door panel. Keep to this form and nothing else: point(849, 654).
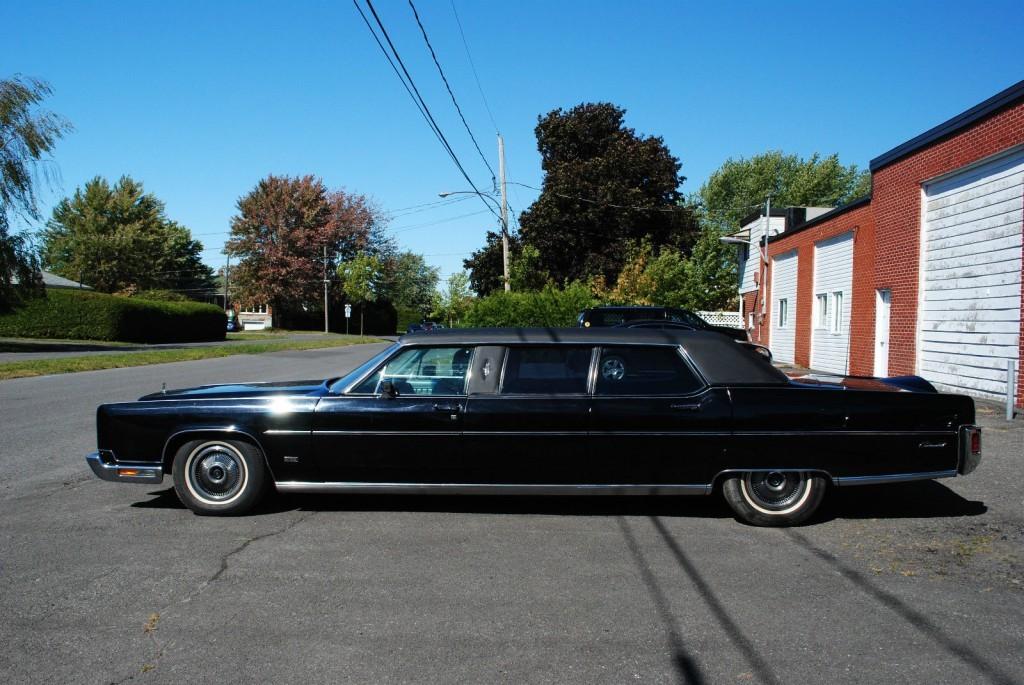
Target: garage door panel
point(971, 304)
point(970, 207)
point(969, 318)
point(1007, 232)
point(784, 276)
point(833, 272)
point(986, 339)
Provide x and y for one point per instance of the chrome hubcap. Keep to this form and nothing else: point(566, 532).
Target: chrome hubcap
point(775, 490)
point(216, 473)
point(613, 369)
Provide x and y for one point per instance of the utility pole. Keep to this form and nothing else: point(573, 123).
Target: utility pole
point(504, 210)
point(227, 275)
point(326, 321)
point(763, 250)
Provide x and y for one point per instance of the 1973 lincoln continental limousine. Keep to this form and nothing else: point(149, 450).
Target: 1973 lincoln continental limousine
point(533, 411)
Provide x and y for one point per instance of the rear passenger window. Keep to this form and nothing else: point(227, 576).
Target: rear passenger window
point(546, 370)
point(644, 371)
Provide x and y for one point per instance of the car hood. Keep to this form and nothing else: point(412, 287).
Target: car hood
point(315, 387)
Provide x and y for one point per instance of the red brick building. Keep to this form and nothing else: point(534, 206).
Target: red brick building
point(922, 277)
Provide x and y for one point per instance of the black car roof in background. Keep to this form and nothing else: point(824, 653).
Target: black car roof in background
point(722, 360)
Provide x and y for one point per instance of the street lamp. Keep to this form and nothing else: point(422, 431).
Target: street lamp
point(503, 208)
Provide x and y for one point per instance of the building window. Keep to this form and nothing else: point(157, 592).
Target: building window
point(821, 310)
point(256, 309)
point(783, 312)
point(836, 320)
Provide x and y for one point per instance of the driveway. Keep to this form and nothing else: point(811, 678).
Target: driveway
point(106, 582)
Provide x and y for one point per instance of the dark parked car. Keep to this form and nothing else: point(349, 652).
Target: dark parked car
point(566, 411)
point(601, 317)
point(423, 327)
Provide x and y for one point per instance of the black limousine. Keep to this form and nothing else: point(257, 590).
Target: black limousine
point(531, 411)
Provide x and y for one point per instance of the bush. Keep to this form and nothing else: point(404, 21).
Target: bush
point(158, 295)
point(406, 316)
point(550, 307)
point(84, 315)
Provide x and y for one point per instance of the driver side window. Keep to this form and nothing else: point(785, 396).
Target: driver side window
point(422, 371)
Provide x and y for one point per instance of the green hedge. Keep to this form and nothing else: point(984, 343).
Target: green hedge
point(84, 315)
point(550, 307)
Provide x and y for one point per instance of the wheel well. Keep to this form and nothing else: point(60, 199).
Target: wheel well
point(175, 442)
point(716, 482)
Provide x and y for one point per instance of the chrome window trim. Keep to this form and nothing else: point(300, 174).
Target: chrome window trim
point(346, 392)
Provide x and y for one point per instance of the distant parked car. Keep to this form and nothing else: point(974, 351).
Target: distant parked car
point(424, 327)
point(657, 324)
point(605, 317)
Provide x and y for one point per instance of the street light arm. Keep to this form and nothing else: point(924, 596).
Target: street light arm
point(471, 192)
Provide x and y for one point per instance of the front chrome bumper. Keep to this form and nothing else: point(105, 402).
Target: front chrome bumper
point(105, 466)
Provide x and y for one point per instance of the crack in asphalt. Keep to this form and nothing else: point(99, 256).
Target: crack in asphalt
point(151, 624)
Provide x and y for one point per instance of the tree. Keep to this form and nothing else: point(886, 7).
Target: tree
point(408, 281)
point(27, 137)
point(739, 187)
point(486, 266)
point(525, 271)
point(453, 301)
point(361, 281)
point(604, 186)
point(118, 239)
point(279, 235)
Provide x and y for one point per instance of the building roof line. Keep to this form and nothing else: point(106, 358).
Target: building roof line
point(999, 101)
point(821, 218)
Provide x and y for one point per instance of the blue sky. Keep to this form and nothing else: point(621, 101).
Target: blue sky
point(199, 100)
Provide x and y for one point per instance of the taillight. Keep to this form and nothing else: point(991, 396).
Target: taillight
point(975, 441)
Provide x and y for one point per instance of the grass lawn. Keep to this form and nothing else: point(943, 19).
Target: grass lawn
point(116, 360)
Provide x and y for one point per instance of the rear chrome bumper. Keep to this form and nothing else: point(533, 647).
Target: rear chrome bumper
point(105, 466)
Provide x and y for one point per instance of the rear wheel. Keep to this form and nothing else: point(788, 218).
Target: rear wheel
point(774, 498)
point(219, 477)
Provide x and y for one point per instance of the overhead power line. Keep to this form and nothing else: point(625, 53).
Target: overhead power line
point(449, 88)
point(401, 229)
point(412, 90)
point(605, 204)
point(473, 67)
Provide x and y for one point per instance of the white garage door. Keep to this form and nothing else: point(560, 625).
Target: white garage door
point(833, 285)
point(971, 288)
point(783, 304)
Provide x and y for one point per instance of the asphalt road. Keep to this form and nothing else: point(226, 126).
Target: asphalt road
point(103, 582)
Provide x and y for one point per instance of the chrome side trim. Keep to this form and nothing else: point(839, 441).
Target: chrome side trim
point(830, 433)
point(488, 489)
point(447, 434)
point(107, 468)
point(210, 429)
point(281, 431)
point(891, 478)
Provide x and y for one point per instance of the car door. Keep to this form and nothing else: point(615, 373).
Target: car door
point(654, 419)
point(412, 437)
point(531, 427)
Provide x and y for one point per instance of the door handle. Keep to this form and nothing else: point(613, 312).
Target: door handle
point(695, 406)
point(450, 408)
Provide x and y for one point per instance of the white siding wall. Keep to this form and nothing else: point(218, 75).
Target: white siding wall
point(749, 266)
point(833, 272)
point(969, 320)
point(784, 270)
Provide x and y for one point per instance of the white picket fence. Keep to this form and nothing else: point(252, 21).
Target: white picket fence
point(731, 319)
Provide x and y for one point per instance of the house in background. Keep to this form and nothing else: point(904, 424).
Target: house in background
point(254, 318)
point(924, 276)
point(55, 282)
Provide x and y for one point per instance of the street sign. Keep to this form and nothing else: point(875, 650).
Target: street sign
point(348, 311)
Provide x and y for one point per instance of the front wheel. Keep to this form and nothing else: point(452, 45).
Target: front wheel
point(219, 477)
point(774, 498)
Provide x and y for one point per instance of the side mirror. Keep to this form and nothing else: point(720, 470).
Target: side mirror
point(388, 390)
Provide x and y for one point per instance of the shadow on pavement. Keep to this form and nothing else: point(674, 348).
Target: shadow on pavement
point(683, 661)
point(919, 621)
point(920, 499)
point(275, 503)
point(13, 346)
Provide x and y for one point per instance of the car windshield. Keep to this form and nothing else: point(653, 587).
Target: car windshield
point(353, 375)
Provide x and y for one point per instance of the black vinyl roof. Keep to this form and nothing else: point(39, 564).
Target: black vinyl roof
point(721, 360)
